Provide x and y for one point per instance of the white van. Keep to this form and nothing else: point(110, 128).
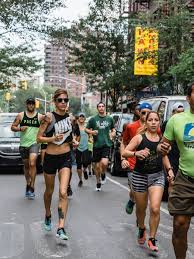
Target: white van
point(163, 104)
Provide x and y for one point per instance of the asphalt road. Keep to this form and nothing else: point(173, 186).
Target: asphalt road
point(97, 224)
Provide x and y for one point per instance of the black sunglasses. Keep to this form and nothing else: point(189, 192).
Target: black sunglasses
point(60, 100)
point(31, 103)
point(82, 116)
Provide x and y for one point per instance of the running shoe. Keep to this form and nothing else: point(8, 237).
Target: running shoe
point(27, 191)
point(85, 175)
point(129, 207)
point(80, 183)
point(103, 178)
point(69, 191)
point(31, 194)
point(152, 244)
point(90, 173)
point(141, 238)
point(98, 187)
point(61, 234)
point(47, 223)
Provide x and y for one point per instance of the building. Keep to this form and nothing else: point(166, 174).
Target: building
point(56, 73)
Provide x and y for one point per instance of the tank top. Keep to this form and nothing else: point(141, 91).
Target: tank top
point(83, 144)
point(28, 137)
point(151, 164)
point(60, 124)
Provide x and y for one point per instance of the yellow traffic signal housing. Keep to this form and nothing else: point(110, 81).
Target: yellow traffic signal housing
point(37, 104)
point(24, 84)
point(7, 96)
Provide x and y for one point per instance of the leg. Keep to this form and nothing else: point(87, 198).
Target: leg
point(32, 168)
point(50, 183)
point(104, 165)
point(155, 197)
point(141, 199)
point(181, 225)
point(26, 171)
point(64, 175)
point(97, 171)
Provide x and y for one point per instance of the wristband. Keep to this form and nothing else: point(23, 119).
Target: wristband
point(134, 154)
point(123, 159)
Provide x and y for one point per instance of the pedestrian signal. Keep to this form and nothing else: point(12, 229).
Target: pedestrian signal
point(37, 104)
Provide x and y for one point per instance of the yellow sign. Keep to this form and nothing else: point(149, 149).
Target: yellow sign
point(146, 51)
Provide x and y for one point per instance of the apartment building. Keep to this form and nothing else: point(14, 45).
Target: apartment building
point(56, 72)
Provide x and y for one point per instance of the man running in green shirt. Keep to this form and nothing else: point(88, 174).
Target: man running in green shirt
point(28, 123)
point(180, 128)
point(101, 127)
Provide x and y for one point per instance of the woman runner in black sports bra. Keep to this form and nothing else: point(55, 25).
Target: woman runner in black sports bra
point(56, 130)
point(148, 177)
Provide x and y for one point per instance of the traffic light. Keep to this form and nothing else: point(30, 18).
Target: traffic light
point(37, 104)
point(24, 84)
point(7, 96)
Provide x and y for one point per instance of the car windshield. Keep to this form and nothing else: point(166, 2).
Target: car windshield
point(5, 131)
point(172, 102)
point(124, 119)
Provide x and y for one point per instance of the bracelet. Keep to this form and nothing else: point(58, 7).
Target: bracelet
point(123, 159)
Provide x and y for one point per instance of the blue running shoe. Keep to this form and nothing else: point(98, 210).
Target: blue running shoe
point(61, 234)
point(31, 194)
point(47, 223)
point(129, 207)
point(27, 191)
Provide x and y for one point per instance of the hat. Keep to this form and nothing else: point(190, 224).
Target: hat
point(30, 100)
point(81, 113)
point(145, 106)
point(177, 105)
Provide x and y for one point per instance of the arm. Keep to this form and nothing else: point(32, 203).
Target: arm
point(44, 124)
point(168, 168)
point(133, 144)
point(15, 125)
point(164, 146)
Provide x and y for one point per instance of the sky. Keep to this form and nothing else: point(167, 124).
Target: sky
point(74, 10)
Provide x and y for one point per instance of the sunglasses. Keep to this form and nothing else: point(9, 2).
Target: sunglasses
point(30, 103)
point(82, 116)
point(60, 100)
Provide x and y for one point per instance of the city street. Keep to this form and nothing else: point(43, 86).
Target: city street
point(97, 224)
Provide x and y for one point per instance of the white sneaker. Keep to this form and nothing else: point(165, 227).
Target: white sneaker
point(98, 187)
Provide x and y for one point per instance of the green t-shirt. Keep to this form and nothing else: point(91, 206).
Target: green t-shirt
point(103, 125)
point(180, 127)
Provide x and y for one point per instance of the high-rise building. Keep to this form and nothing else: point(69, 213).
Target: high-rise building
point(56, 72)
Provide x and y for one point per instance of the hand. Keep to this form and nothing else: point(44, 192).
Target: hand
point(23, 128)
point(58, 136)
point(170, 176)
point(95, 132)
point(75, 143)
point(112, 134)
point(125, 164)
point(142, 154)
point(164, 148)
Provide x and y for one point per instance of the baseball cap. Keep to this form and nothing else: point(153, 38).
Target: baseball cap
point(177, 105)
point(81, 114)
point(145, 106)
point(30, 100)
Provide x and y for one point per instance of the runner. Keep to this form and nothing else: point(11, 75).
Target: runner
point(82, 153)
point(180, 128)
point(148, 178)
point(101, 127)
point(28, 123)
point(129, 132)
point(56, 130)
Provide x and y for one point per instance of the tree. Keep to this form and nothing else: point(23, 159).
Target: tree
point(20, 24)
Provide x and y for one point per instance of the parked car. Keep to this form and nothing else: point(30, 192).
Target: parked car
point(163, 104)
point(115, 159)
point(9, 146)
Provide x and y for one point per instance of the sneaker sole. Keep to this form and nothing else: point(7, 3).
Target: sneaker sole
point(98, 190)
point(31, 198)
point(62, 238)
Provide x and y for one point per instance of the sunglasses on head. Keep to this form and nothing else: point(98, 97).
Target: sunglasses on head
point(60, 100)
